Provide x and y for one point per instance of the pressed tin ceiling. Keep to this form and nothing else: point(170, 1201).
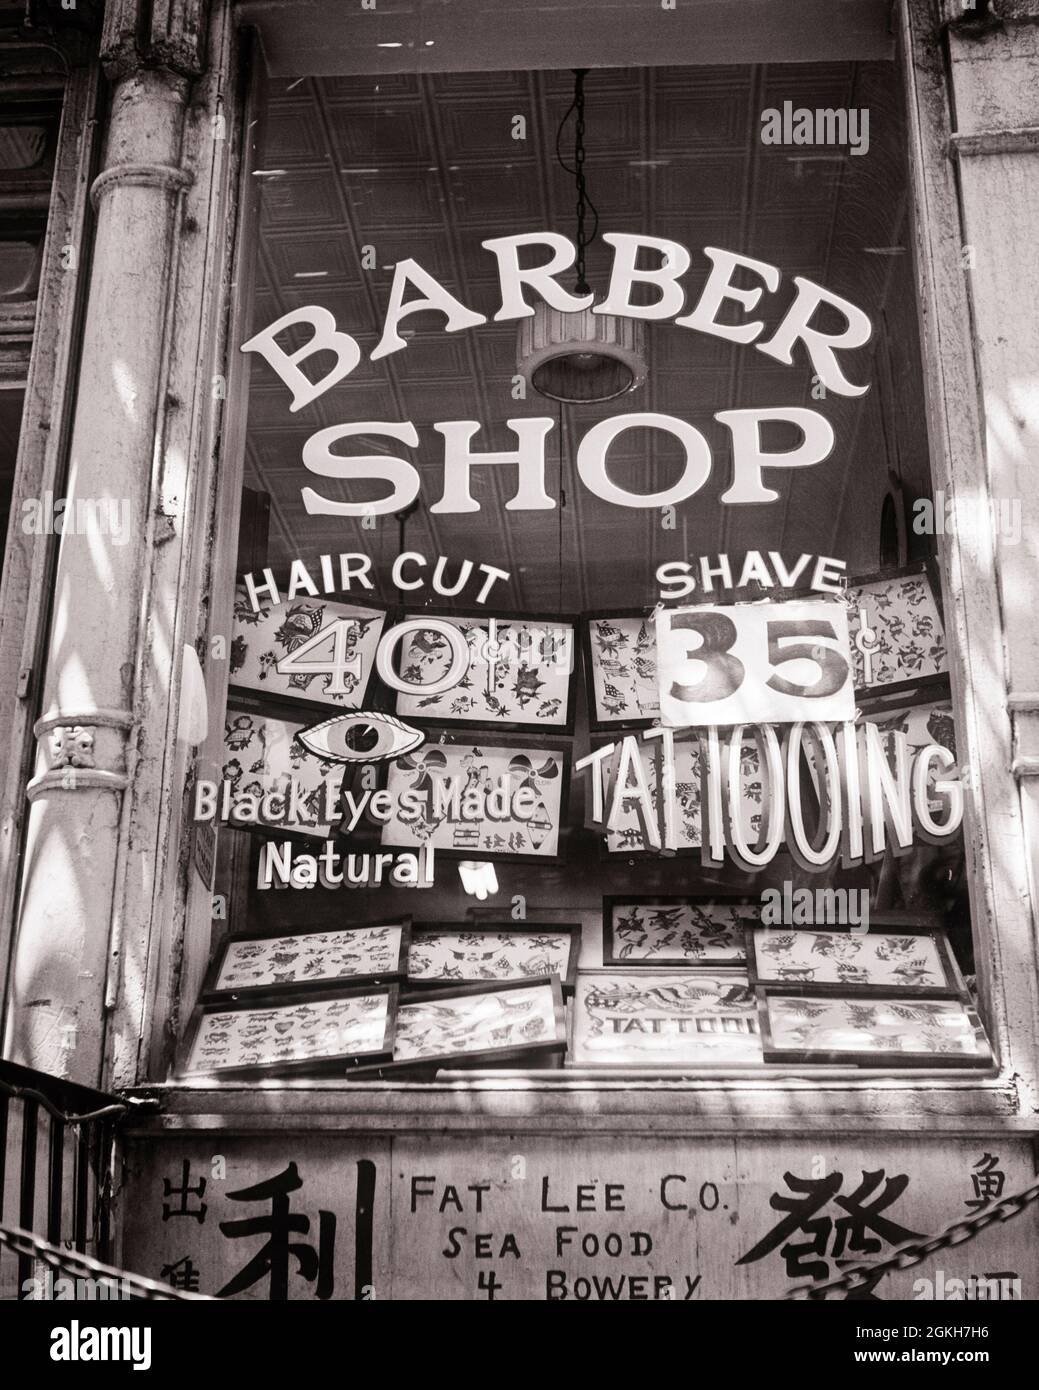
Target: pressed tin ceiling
point(425, 166)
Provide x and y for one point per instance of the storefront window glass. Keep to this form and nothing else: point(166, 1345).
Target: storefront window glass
point(610, 731)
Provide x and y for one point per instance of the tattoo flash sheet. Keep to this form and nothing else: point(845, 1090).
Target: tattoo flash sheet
point(622, 670)
point(628, 834)
point(678, 931)
point(666, 1018)
point(306, 649)
point(430, 789)
point(520, 672)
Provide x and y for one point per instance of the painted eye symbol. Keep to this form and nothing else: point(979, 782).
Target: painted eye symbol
point(360, 737)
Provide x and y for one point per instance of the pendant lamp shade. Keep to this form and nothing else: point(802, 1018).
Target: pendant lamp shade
point(580, 358)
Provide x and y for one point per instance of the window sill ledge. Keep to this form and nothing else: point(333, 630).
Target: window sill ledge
point(584, 1103)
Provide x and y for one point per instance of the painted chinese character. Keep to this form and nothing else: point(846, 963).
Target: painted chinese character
point(988, 1179)
point(184, 1191)
point(315, 1266)
point(849, 1231)
point(181, 1275)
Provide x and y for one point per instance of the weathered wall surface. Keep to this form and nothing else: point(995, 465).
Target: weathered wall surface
point(521, 1218)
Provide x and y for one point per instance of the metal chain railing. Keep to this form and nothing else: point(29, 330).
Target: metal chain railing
point(80, 1266)
point(915, 1251)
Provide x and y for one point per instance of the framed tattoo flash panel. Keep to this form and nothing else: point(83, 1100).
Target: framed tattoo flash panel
point(436, 790)
point(307, 650)
point(810, 960)
point(479, 1023)
point(247, 963)
point(667, 1018)
point(459, 953)
point(264, 759)
point(902, 611)
point(923, 723)
point(521, 672)
point(620, 659)
point(320, 1032)
point(631, 835)
point(863, 1032)
point(648, 931)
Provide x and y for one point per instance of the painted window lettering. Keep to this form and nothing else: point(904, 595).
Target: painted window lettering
point(746, 426)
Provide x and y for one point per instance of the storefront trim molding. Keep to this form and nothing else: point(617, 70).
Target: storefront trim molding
point(101, 718)
point(1022, 140)
point(621, 1105)
point(139, 176)
point(76, 779)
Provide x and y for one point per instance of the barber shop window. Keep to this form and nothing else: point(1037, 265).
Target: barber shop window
point(588, 705)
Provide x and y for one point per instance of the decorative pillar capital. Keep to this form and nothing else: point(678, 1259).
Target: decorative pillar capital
point(163, 34)
point(72, 741)
point(72, 745)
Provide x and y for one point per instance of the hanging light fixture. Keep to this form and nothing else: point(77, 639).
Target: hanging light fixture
point(581, 357)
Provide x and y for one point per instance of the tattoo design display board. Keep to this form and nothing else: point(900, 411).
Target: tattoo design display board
point(309, 1033)
point(499, 952)
point(871, 1032)
point(249, 962)
point(922, 725)
point(522, 675)
point(676, 931)
point(635, 1018)
point(264, 755)
point(628, 836)
point(300, 634)
point(474, 1023)
point(853, 961)
point(908, 646)
point(621, 670)
point(540, 772)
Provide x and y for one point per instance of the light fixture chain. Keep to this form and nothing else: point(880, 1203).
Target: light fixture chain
point(582, 197)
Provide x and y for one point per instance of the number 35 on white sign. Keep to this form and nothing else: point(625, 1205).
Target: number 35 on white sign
point(755, 663)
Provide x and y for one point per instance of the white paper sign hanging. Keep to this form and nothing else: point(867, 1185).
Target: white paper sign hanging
point(755, 663)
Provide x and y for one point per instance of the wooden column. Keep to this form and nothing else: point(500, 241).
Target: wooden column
point(94, 725)
point(994, 66)
point(975, 146)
